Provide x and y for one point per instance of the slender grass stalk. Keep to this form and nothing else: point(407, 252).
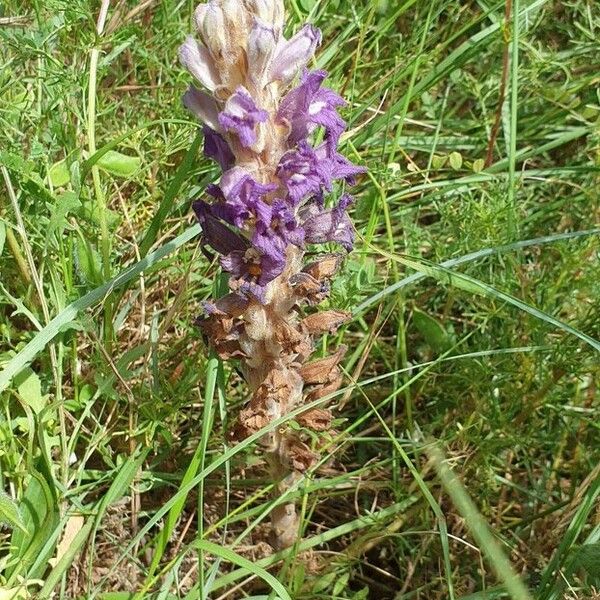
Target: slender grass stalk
point(514, 108)
point(13, 243)
point(477, 525)
point(15, 250)
point(105, 239)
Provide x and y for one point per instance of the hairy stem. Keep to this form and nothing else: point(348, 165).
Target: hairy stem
point(284, 518)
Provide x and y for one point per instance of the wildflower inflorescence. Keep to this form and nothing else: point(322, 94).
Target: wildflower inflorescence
point(274, 130)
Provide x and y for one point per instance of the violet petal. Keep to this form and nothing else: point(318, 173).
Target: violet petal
point(308, 106)
point(217, 148)
point(244, 198)
point(241, 116)
point(332, 225)
point(217, 235)
point(304, 172)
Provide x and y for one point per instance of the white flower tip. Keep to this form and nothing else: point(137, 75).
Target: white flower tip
point(198, 61)
point(199, 15)
point(187, 50)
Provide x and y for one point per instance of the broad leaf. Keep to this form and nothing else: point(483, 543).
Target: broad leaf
point(9, 513)
point(29, 387)
point(432, 330)
point(119, 165)
point(59, 174)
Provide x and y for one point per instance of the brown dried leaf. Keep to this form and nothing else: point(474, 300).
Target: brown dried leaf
point(308, 288)
point(238, 433)
point(324, 390)
point(216, 326)
point(228, 349)
point(323, 370)
point(324, 268)
point(223, 335)
point(232, 304)
point(322, 322)
point(279, 385)
point(300, 456)
point(317, 419)
point(252, 420)
point(292, 340)
point(277, 390)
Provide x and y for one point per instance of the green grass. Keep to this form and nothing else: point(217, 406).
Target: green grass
point(466, 460)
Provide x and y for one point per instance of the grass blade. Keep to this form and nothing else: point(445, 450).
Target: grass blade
point(478, 526)
point(244, 563)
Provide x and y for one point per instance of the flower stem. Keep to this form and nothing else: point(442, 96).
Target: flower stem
point(284, 518)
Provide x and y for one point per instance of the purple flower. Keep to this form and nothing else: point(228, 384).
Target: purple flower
point(252, 225)
point(341, 167)
point(280, 232)
point(217, 235)
point(242, 199)
point(304, 173)
point(307, 172)
point(217, 148)
point(241, 116)
point(294, 54)
point(284, 224)
point(308, 106)
point(332, 225)
point(254, 265)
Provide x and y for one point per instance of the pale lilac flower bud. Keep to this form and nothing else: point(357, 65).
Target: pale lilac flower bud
point(198, 61)
point(294, 54)
point(203, 106)
point(269, 11)
point(211, 25)
point(262, 44)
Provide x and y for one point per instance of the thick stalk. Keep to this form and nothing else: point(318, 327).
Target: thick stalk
point(284, 518)
point(277, 388)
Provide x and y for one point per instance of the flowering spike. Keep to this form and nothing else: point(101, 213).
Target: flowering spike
point(267, 209)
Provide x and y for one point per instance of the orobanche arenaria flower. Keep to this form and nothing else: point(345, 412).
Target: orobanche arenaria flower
point(274, 131)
